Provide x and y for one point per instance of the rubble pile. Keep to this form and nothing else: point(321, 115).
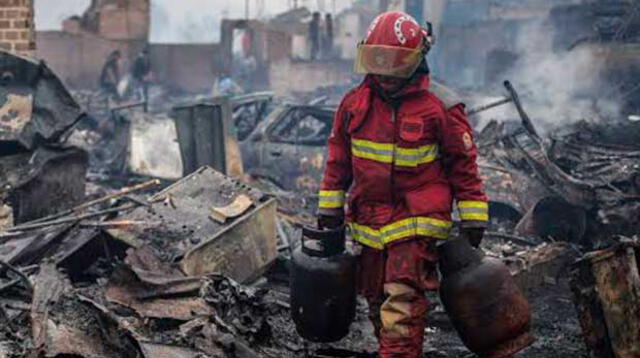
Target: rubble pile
point(94, 285)
point(132, 276)
point(39, 174)
point(577, 183)
point(89, 294)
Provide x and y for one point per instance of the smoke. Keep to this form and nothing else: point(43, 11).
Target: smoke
point(182, 21)
point(198, 21)
point(49, 15)
point(557, 88)
point(187, 21)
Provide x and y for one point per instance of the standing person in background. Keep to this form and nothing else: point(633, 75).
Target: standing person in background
point(141, 74)
point(110, 75)
point(328, 38)
point(314, 35)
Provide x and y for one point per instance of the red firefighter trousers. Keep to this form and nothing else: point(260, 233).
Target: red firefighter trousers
point(394, 282)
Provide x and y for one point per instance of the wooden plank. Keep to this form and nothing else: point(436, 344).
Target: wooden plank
point(607, 288)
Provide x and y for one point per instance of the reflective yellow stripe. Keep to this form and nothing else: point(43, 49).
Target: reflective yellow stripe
point(474, 216)
point(403, 229)
point(474, 210)
point(366, 236)
point(465, 204)
point(388, 153)
point(412, 157)
point(380, 152)
point(331, 199)
point(399, 230)
point(370, 144)
point(332, 194)
point(372, 156)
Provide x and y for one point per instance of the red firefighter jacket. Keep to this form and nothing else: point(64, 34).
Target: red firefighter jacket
point(403, 161)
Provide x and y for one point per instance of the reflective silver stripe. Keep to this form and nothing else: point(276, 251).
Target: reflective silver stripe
point(399, 233)
point(367, 235)
point(391, 153)
point(406, 228)
point(426, 225)
point(473, 210)
point(333, 199)
point(365, 238)
point(416, 156)
point(409, 158)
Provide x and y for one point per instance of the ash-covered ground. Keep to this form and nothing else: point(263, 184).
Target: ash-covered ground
point(554, 324)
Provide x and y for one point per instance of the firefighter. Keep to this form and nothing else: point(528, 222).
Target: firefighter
point(403, 156)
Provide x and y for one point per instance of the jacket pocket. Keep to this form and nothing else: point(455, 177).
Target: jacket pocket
point(431, 198)
point(412, 129)
point(372, 214)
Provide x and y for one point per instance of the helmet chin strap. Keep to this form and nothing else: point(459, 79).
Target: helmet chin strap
point(423, 68)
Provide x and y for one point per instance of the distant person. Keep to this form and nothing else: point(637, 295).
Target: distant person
point(314, 35)
point(141, 68)
point(327, 47)
point(141, 72)
point(110, 74)
point(245, 64)
point(225, 85)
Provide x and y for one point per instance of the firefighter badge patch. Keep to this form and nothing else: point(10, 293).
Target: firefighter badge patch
point(468, 142)
point(411, 128)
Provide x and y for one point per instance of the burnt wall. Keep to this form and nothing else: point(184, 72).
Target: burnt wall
point(78, 59)
point(118, 19)
point(184, 66)
point(300, 76)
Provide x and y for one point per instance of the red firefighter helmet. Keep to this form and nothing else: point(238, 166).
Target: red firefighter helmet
point(394, 46)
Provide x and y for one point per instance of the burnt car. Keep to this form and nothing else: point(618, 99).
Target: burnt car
point(249, 110)
point(288, 148)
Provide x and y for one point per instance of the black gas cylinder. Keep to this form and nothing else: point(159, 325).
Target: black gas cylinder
point(323, 286)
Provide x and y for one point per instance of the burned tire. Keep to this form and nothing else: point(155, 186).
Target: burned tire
point(503, 216)
point(555, 218)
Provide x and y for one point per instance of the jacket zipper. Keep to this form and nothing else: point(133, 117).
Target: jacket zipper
point(393, 156)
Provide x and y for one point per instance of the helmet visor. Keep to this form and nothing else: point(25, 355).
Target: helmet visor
point(387, 60)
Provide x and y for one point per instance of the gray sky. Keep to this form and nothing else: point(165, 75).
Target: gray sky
point(178, 21)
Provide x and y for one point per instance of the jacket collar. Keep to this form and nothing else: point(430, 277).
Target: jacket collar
point(418, 84)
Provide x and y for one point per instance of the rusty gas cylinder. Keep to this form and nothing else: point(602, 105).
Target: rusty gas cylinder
point(323, 286)
point(483, 302)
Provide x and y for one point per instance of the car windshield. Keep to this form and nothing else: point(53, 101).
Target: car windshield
point(303, 126)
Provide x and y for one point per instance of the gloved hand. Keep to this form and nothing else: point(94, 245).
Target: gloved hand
point(330, 221)
point(474, 235)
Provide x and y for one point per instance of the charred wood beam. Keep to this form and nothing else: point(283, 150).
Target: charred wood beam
point(23, 278)
point(121, 193)
point(526, 121)
point(70, 219)
point(514, 238)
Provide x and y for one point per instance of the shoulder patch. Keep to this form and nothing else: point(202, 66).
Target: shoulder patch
point(467, 140)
